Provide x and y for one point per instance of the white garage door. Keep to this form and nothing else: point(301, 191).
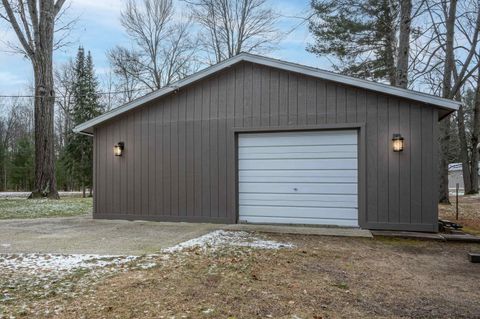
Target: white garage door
point(299, 178)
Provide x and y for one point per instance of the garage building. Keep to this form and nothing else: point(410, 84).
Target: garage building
point(258, 140)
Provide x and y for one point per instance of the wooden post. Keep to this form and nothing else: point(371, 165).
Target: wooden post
point(456, 201)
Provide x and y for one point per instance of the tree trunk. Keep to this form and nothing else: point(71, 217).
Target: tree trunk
point(404, 43)
point(444, 161)
point(475, 140)
point(447, 93)
point(462, 136)
point(45, 182)
point(390, 45)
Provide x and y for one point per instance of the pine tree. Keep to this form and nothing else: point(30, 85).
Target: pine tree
point(359, 34)
point(79, 149)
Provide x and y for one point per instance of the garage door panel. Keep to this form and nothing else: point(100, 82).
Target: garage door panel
point(327, 151)
point(304, 212)
point(300, 199)
point(301, 188)
point(286, 179)
point(276, 149)
point(289, 164)
point(305, 155)
point(298, 138)
point(300, 173)
point(300, 221)
point(296, 203)
point(299, 177)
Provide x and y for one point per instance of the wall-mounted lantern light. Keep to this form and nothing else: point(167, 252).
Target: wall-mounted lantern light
point(118, 149)
point(397, 142)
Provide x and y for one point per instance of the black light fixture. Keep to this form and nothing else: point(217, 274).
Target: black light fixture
point(118, 149)
point(397, 140)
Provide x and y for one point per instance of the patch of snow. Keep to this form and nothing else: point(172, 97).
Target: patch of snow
point(147, 265)
point(59, 263)
point(221, 238)
point(207, 311)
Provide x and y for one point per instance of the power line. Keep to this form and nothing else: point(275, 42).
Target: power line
point(98, 93)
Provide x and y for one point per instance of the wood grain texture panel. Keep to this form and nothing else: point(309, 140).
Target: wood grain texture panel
point(190, 153)
point(174, 157)
point(292, 99)
point(351, 105)
point(372, 156)
point(222, 145)
point(214, 154)
point(256, 95)
point(274, 98)
point(264, 98)
point(404, 163)
point(361, 113)
point(144, 162)
point(311, 101)
point(302, 101)
point(331, 96)
point(206, 154)
point(230, 145)
point(182, 154)
point(198, 159)
point(283, 98)
point(341, 104)
point(321, 102)
point(167, 171)
point(415, 145)
point(393, 163)
point(129, 158)
point(137, 163)
point(383, 153)
point(427, 164)
point(248, 96)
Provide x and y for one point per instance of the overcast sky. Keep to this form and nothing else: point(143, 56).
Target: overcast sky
point(98, 29)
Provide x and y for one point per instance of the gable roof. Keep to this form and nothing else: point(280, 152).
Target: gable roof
point(447, 106)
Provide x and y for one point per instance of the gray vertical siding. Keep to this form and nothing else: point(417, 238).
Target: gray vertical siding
point(179, 161)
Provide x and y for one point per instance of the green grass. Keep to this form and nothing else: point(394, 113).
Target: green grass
point(36, 208)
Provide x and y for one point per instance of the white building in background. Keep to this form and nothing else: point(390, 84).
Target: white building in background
point(455, 175)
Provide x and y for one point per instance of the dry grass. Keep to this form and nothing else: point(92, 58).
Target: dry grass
point(469, 212)
point(323, 277)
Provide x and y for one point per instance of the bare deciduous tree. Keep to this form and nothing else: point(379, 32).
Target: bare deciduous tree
point(475, 139)
point(34, 23)
point(451, 49)
point(403, 50)
point(163, 49)
point(64, 77)
point(234, 26)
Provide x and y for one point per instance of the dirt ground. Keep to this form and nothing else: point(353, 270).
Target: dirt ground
point(321, 277)
point(469, 212)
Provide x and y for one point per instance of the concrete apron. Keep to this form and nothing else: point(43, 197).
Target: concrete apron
point(302, 230)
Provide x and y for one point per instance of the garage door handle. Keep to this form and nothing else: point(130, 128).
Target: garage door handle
point(295, 189)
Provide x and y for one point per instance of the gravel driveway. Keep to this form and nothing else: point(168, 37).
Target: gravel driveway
point(84, 235)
